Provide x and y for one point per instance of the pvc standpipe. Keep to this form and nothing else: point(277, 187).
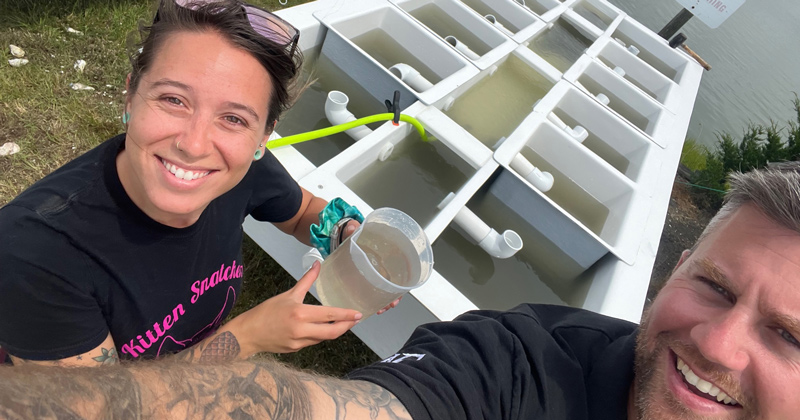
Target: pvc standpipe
point(337, 113)
point(497, 245)
point(578, 132)
point(462, 47)
point(411, 77)
point(493, 20)
point(543, 181)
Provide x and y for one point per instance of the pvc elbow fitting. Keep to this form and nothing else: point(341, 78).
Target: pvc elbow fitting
point(461, 47)
point(337, 113)
point(543, 181)
point(578, 133)
point(411, 77)
point(495, 244)
point(493, 20)
point(501, 246)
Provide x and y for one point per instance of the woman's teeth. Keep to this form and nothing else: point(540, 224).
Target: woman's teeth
point(182, 173)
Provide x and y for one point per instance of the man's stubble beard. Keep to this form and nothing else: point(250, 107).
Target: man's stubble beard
point(648, 372)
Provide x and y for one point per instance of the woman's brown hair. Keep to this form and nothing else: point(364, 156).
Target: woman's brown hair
point(227, 18)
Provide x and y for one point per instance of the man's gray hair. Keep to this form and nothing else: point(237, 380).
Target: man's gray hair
point(775, 190)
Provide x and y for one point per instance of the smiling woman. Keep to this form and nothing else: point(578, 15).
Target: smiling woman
point(136, 245)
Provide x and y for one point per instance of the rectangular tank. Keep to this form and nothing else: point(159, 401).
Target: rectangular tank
point(471, 35)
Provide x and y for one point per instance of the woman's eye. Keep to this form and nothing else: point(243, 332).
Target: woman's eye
point(234, 120)
point(788, 337)
point(173, 100)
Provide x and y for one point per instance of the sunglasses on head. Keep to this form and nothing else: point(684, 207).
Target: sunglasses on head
point(265, 23)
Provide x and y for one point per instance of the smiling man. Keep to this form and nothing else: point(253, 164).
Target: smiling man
point(720, 341)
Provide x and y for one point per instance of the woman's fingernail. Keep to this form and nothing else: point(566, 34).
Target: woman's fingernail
point(358, 316)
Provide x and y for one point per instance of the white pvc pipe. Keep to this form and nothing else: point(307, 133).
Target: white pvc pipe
point(493, 20)
point(462, 47)
point(337, 113)
point(411, 77)
point(501, 246)
point(543, 181)
point(578, 133)
point(472, 225)
point(495, 244)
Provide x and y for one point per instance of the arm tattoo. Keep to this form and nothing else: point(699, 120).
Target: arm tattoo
point(109, 357)
point(243, 390)
point(220, 348)
point(362, 393)
point(67, 393)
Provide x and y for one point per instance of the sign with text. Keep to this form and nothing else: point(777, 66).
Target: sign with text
point(711, 12)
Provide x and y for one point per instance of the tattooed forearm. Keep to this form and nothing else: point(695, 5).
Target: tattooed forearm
point(35, 391)
point(164, 389)
point(217, 348)
point(360, 394)
point(224, 346)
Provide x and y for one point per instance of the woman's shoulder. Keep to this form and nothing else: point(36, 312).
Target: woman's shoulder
point(57, 190)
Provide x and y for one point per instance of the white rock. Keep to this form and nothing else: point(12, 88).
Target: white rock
point(9, 149)
point(16, 51)
point(18, 62)
point(80, 86)
point(74, 31)
point(79, 65)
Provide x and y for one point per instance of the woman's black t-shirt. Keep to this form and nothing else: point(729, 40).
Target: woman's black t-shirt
point(78, 260)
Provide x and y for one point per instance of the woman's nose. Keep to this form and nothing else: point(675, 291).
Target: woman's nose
point(195, 141)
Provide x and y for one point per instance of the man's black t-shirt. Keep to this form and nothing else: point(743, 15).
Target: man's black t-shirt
point(533, 362)
point(80, 260)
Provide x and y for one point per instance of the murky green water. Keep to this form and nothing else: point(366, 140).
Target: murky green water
point(561, 45)
point(538, 273)
point(308, 113)
point(415, 178)
point(444, 25)
point(382, 46)
point(496, 105)
point(598, 146)
point(570, 196)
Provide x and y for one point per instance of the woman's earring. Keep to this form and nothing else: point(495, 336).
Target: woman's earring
point(259, 153)
point(126, 117)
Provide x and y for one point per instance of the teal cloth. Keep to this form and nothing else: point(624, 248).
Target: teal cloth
point(332, 213)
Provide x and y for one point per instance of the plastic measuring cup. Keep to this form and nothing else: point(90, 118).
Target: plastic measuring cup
point(385, 258)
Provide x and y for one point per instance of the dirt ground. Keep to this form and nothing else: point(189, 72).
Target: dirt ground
point(685, 222)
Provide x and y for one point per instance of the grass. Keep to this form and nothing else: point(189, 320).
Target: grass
point(693, 155)
point(53, 124)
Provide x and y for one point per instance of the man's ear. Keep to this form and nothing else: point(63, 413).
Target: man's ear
point(684, 256)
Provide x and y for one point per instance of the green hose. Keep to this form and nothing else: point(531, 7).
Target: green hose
point(311, 135)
